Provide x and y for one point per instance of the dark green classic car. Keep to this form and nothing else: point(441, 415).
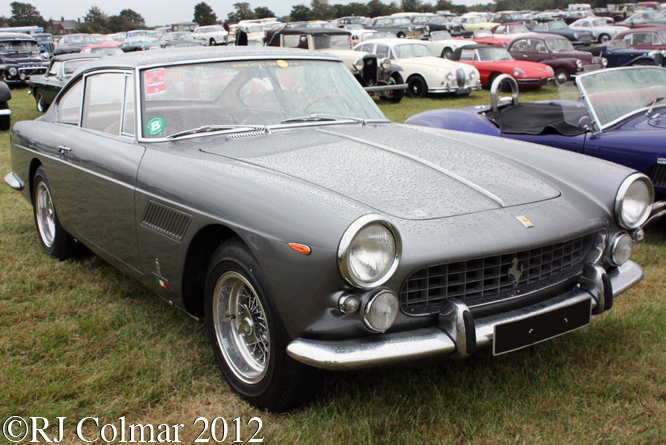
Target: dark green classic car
point(45, 87)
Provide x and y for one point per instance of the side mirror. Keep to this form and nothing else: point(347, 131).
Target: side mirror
point(585, 124)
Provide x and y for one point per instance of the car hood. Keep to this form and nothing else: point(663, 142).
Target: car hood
point(398, 170)
point(434, 62)
point(529, 68)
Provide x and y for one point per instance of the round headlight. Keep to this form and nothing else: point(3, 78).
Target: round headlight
point(358, 64)
point(369, 252)
point(621, 249)
point(386, 63)
point(449, 75)
point(518, 72)
point(380, 311)
point(633, 202)
point(550, 70)
point(579, 64)
point(12, 71)
point(604, 61)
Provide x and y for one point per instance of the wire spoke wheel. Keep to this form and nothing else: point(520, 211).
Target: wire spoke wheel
point(241, 327)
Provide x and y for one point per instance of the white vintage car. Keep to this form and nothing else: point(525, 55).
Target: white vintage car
point(211, 35)
point(423, 71)
point(602, 31)
point(441, 43)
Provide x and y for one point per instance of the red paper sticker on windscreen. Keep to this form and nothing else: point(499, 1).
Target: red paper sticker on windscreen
point(155, 81)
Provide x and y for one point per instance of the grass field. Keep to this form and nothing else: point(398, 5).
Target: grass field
point(80, 340)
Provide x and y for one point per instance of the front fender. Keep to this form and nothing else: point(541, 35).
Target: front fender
point(5, 93)
point(467, 121)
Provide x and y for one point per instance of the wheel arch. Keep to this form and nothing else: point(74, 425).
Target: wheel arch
point(199, 253)
point(34, 165)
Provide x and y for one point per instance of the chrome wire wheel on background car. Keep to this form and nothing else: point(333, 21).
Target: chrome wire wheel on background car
point(241, 327)
point(561, 76)
point(45, 215)
point(247, 334)
point(41, 103)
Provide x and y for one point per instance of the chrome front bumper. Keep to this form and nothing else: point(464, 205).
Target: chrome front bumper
point(450, 336)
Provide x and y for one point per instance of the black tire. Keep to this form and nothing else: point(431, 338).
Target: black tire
point(55, 241)
point(447, 53)
point(401, 35)
point(394, 96)
point(254, 360)
point(561, 76)
point(212, 42)
point(416, 87)
point(40, 102)
point(603, 38)
point(5, 120)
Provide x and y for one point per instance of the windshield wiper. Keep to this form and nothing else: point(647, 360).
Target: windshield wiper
point(323, 118)
point(652, 104)
point(208, 128)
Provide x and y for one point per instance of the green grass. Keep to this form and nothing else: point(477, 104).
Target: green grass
point(79, 339)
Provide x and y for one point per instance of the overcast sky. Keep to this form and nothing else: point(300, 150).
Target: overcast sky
point(161, 12)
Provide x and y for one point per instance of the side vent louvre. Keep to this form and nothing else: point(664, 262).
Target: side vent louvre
point(165, 220)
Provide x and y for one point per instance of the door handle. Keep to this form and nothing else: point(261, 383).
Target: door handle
point(62, 149)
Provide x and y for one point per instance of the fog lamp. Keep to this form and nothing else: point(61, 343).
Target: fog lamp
point(348, 304)
point(380, 311)
point(621, 249)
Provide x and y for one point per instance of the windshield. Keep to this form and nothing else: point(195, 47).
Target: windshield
point(18, 46)
point(618, 93)
point(254, 93)
point(43, 38)
point(618, 43)
point(559, 45)
point(557, 25)
point(79, 38)
point(325, 41)
point(440, 35)
point(517, 29)
point(354, 27)
point(412, 50)
point(494, 54)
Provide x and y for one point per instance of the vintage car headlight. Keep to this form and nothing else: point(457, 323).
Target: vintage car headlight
point(579, 64)
point(604, 62)
point(518, 72)
point(12, 71)
point(369, 252)
point(653, 54)
point(621, 248)
point(550, 70)
point(380, 311)
point(385, 63)
point(359, 64)
point(472, 74)
point(449, 76)
point(575, 36)
point(633, 202)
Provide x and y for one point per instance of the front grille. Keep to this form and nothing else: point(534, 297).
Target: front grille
point(588, 68)
point(460, 77)
point(491, 279)
point(658, 175)
point(370, 70)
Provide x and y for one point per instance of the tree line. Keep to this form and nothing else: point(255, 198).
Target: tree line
point(96, 21)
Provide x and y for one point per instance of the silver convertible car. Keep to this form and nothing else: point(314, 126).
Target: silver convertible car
point(264, 190)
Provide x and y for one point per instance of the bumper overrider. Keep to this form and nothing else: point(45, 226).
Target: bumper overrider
point(458, 334)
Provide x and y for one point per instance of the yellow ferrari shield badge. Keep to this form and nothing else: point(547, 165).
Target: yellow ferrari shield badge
point(526, 222)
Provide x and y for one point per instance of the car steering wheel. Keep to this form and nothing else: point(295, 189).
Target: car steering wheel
point(327, 96)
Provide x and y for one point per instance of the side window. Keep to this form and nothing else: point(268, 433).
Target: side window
point(382, 51)
point(518, 46)
point(539, 27)
point(102, 108)
point(500, 30)
point(467, 55)
point(365, 48)
point(540, 47)
point(55, 68)
point(290, 41)
point(69, 107)
point(128, 121)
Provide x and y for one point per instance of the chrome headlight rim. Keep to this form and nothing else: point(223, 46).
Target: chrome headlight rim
point(359, 64)
point(619, 201)
point(619, 237)
point(348, 238)
point(385, 63)
point(368, 306)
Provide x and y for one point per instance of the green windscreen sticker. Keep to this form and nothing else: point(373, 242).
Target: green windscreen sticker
point(155, 126)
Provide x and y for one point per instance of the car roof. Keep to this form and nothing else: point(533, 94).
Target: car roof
point(174, 56)
point(395, 41)
point(306, 30)
point(75, 56)
point(15, 36)
point(539, 36)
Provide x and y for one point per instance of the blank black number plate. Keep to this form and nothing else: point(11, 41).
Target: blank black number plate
point(528, 331)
